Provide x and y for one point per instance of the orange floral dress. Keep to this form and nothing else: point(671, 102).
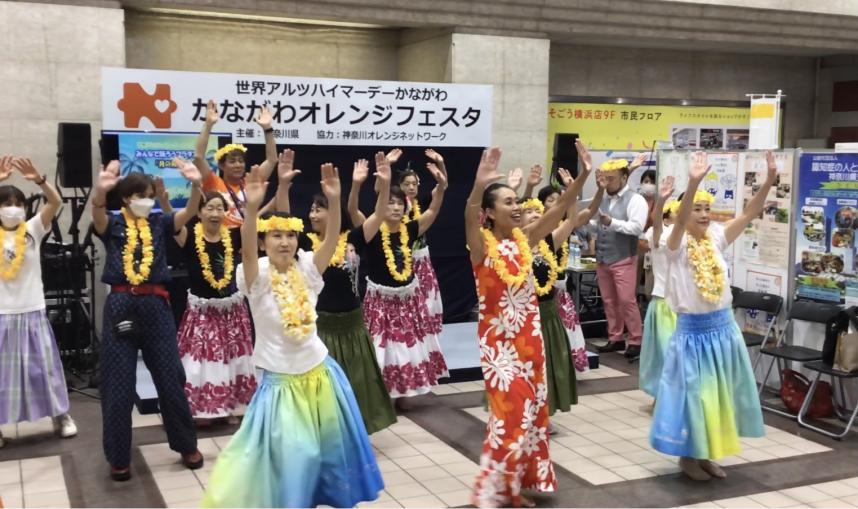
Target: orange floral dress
point(515, 451)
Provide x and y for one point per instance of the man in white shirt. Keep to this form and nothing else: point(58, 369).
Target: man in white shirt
point(620, 222)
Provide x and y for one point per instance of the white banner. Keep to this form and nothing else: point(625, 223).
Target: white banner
point(307, 111)
point(765, 112)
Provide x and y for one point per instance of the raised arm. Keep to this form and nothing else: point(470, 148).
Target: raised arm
point(533, 180)
point(514, 179)
point(163, 196)
point(487, 173)
point(192, 174)
point(696, 172)
point(735, 227)
point(107, 180)
point(203, 140)
point(438, 170)
point(664, 192)
point(382, 178)
point(585, 215)
point(264, 119)
point(546, 224)
point(52, 197)
point(570, 222)
point(285, 174)
point(331, 189)
point(254, 188)
point(359, 176)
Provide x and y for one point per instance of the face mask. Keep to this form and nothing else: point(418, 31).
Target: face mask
point(12, 216)
point(647, 189)
point(141, 206)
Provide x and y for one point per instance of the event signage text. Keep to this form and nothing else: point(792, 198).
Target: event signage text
point(307, 111)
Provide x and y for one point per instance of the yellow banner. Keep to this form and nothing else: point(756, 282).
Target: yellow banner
point(636, 127)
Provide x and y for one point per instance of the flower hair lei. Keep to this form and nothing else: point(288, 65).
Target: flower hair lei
point(11, 271)
point(500, 265)
point(226, 149)
point(134, 229)
point(708, 273)
point(205, 262)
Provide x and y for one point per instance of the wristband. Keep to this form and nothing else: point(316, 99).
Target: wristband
point(44, 179)
point(268, 131)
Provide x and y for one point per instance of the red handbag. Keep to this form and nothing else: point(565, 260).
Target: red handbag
point(796, 386)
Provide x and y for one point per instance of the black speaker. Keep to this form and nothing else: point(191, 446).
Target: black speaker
point(74, 154)
point(565, 154)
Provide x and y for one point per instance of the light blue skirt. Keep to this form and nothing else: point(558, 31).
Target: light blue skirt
point(707, 397)
point(302, 443)
point(659, 324)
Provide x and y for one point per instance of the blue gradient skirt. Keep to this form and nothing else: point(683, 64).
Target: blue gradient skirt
point(707, 397)
point(302, 443)
point(659, 324)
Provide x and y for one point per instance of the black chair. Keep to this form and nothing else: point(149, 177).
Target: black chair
point(781, 353)
point(840, 407)
point(764, 303)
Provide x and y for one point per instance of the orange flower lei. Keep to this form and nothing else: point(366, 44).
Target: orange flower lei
point(11, 271)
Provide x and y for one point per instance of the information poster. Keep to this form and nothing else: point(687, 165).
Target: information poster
point(766, 240)
point(153, 153)
point(825, 227)
point(720, 182)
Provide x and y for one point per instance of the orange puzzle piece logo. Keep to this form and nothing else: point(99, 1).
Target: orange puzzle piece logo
point(157, 107)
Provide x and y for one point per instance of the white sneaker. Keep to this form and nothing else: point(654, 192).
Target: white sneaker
point(64, 426)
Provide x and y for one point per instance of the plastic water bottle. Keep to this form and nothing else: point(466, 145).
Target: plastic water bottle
point(575, 255)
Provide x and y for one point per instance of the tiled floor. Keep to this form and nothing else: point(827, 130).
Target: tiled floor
point(604, 439)
point(843, 493)
point(35, 482)
point(479, 385)
point(419, 470)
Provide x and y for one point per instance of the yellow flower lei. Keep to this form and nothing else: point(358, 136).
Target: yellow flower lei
point(500, 266)
point(535, 204)
point(390, 259)
point(205, 262)
point(339, 253)
point(553, 269)
point(708, 274)
point(226, 149)
point(135, 228)
point(414, 214)
point(277, 223)
point(11, 271)
point(290, 292)
point(564, 257)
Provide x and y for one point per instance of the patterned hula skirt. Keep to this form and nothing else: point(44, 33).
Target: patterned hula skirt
point(215, 345)
point(707, 397)
point(569, 317)
point(429, 286)
point(659, 324)
point(349, 344)
point(32, 382)
point(302, 443)
point(559, 373)
point(406, 348)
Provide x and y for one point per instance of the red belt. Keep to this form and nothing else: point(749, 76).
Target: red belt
point(146, 289)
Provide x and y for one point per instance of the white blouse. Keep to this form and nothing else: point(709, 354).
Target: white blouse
point(24, 293)
point(274, 350)
point(682, 294)
point(658, 258)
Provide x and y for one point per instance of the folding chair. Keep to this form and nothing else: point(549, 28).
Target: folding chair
point(781, 353)
point(840, 408)
point(760, 302)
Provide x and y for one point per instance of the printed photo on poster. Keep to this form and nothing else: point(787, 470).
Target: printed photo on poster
point(766, 240)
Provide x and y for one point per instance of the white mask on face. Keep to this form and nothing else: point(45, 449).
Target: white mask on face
point(647, 190)
point(141, 206)
point(11, 217)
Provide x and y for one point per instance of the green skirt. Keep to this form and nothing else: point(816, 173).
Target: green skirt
point(349, 344)
point(559, 371)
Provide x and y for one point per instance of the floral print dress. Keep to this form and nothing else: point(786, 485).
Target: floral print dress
point(515, 451)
